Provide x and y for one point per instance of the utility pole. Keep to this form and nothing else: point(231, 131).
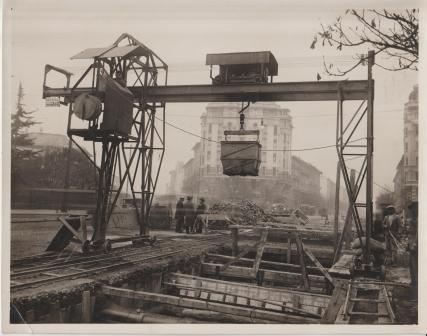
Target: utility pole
point(337, 204)
point(369, 154)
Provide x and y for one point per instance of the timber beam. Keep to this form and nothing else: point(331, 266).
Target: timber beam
point(312, 302)
point(285, 279)
point(204, 305)
point(285, 91)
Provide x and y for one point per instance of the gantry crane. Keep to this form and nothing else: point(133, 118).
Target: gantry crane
point(118, 62)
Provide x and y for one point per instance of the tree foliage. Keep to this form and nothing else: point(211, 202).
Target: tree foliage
point(393, 34)
point(21, 143)
point(51, 167)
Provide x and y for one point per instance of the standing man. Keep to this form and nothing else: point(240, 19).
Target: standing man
point(201, 209)
point(391, 230)
point(413, 243)
point(179, 215)
point(189, 214)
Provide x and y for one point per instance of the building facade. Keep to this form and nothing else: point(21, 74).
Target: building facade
point(278, 180)
point(176, 179)
point(273, 122)
point(406, 178)
point(274, 183)
point(306, 183)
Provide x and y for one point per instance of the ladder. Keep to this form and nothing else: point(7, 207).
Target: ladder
point(366, 302)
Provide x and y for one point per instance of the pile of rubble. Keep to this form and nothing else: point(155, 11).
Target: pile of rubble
point(241, 212)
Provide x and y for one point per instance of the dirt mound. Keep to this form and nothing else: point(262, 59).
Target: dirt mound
point(241, 212)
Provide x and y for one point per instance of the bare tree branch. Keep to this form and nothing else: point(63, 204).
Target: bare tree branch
point(392, 33)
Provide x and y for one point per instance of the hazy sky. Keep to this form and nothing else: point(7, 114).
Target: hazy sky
point(182, 33)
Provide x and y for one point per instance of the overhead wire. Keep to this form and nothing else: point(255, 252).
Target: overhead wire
point(263, 150)
point(278, 150)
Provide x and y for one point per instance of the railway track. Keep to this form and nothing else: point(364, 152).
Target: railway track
point(53, 257)
point(91, 265)
point(77, 258)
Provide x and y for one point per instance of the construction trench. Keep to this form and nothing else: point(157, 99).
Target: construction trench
point(275, 273)
point(278, 271)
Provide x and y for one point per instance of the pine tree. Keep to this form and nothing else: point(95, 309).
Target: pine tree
point(21, 143)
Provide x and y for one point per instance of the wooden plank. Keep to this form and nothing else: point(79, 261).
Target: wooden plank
point(198, 292)
point(241, 254)
point(321, 252)
point(260, 251)
point(63, 236)
point(360, 313)
point(318, 264)
point(387, 304)
point(283, 229)
point(287, 279)
point(302, 262)
point(265, 263)
point(296, 301)
point(84, 228)
point(274, 294)
point(70, 228)
point(235, 241)
point(335, 303)
point(246, 250)
point(264, 302)
point(86, 307)
point(54, 275)
point(204, 305)
point(348, 305)
point(342, 266)
point(289, 252)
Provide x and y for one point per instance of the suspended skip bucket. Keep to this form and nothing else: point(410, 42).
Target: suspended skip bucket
point(241, 158)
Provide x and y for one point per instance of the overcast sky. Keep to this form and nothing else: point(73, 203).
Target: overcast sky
point(182, 33)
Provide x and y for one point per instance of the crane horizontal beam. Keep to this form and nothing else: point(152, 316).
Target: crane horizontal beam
point(286, 91)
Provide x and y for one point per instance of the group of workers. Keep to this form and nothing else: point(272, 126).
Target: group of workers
point(187, 215)
point(389, 230)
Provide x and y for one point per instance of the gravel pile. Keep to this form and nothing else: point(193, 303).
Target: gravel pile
point(241, 212)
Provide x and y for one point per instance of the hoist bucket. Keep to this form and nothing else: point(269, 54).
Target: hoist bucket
point(242, 157)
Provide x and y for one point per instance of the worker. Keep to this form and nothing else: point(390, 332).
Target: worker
point(179, 215)
point(189, 214)
point(413, 243)
point(391, 226)
point(201, 209)
point(377, 227)
point(298, 217)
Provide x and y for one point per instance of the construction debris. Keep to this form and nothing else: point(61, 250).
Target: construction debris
point(242, 212)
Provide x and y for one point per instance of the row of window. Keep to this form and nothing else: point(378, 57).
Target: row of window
point(407, 146)
point(407, 161)
point(255, 126)
point(411, 176)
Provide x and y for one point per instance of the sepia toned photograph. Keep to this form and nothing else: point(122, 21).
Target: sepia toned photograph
point(210, 163)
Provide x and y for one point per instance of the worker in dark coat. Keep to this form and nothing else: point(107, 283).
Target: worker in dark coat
point(201, 209)
point(190, 214)
point(413, 243)
point(179, 215)
point(391, 230)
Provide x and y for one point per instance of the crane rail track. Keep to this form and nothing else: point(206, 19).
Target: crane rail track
point(81, 259)
point(32, 277)
point(48, 257)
